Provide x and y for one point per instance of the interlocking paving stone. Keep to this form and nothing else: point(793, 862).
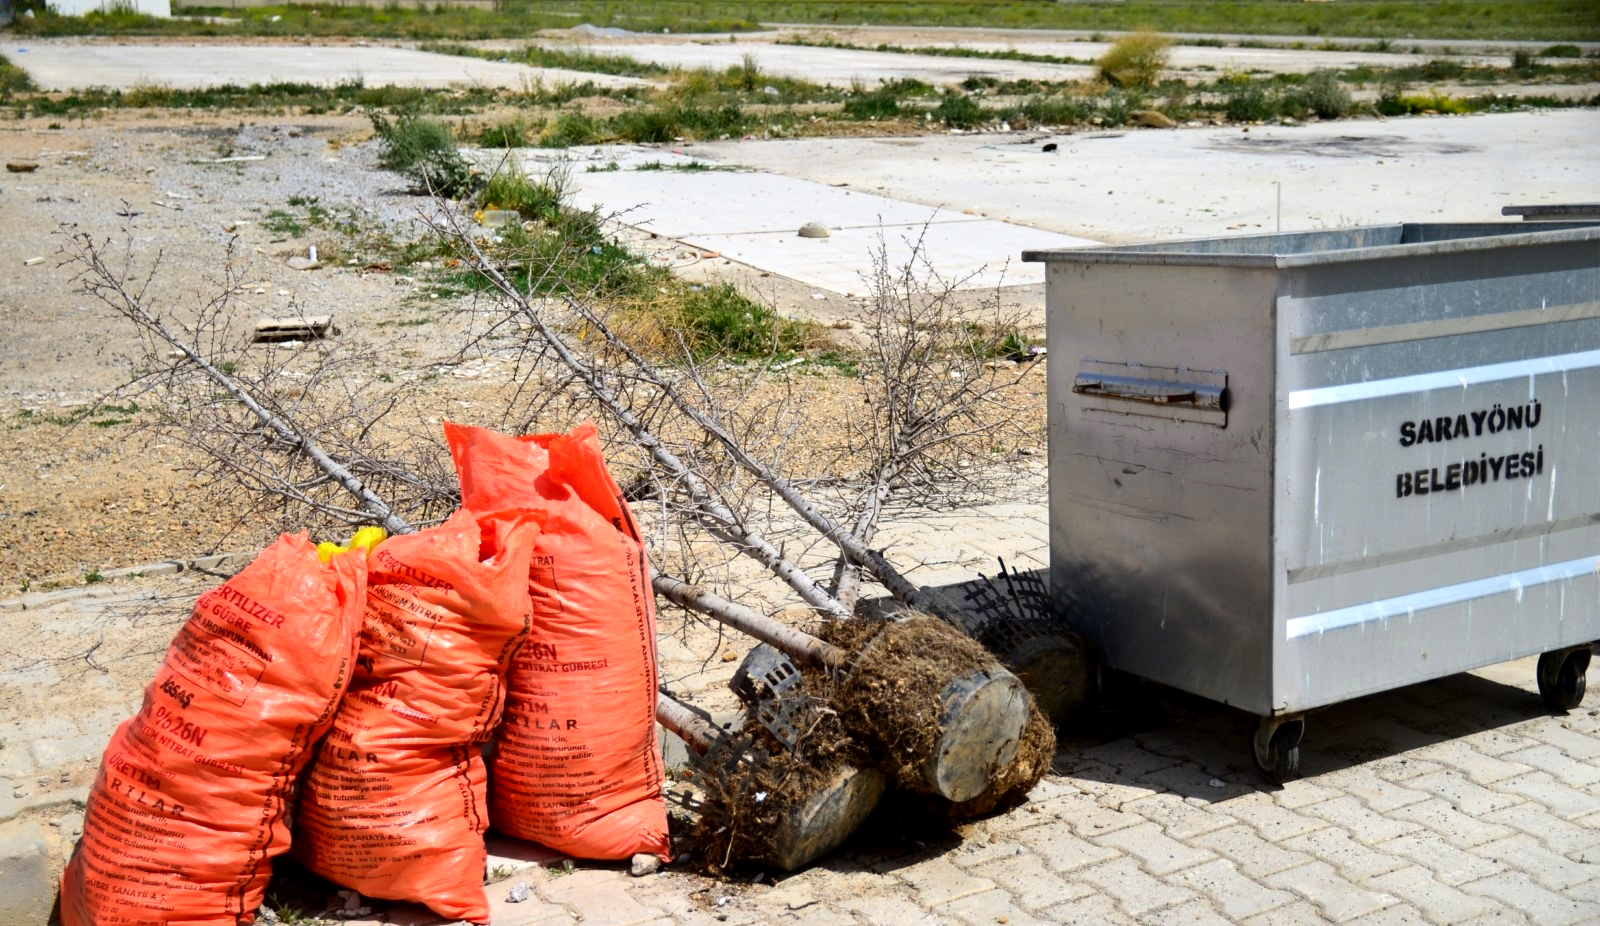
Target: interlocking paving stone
point(1299, 913)
point(1178, 817)
point(1134, 889)
point(1527, 854)
point(935, 881)
point(1438, 901)
point(1338, 848)
point(1300, 793)
point(1094, 910)
point(882, 909)
point(1236, 895)
point(1365, 824)
point(1378, 793)
point(1450, 824)
point(1517, 890)
point(1465, 795)
point(1159, 853)
point(1031, 884)
point(1337, 898)
point(1062, 850)
point(1262, 814)
point(1565, 735)
point(1449, 864)
point(1108, 786)
point(988, 908)
point(1569, 803)
point(1193, 913)
point(1481, 768)
point(1564, 768)
point(1088, 819)
point(1401, 914)
point(1567, 837)
point(601, 895)
point(1255, 856)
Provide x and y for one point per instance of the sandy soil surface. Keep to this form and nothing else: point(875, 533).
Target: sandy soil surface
point(90, 482)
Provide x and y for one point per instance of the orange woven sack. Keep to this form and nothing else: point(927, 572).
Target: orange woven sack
point(577, 766)
point(394, 804)
point(192, 799)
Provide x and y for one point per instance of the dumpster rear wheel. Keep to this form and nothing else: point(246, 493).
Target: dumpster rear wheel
point(1276, 747)
point(1561, 677)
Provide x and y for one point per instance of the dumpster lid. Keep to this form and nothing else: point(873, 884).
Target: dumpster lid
point(1330, 246)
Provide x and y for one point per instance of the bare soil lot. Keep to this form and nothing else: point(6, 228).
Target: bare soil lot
point(90, 482)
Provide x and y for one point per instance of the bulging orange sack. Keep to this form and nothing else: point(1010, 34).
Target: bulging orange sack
point(191, 802)
point(577, 766)
point(394, 805)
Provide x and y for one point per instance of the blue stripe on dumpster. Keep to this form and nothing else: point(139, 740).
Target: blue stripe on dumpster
point(1413, 602)
point(1444, 379)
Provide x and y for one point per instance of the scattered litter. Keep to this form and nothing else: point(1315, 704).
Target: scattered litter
point(499, 218)
point(283, 292)
point(518, 892)
point(1217, 783)
point(33, 262)
point(352, 908)
point(163, 205)
point(275, 330)
point(21, 167)
point(237, 159)
point(818, 296)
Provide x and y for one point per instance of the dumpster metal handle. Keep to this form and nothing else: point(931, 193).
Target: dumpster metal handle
point(1154, 391)
point(1175, 393)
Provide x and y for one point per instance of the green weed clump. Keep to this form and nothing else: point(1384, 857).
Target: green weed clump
point(511, 188)
point(959, 111)
point(1135, 60)
point(571, 128)
point(718, 319)
point(14, 79)
point(1324, 96)
point(423, 150)
point(516, 132)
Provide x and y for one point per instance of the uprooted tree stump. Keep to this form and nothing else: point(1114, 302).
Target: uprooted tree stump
point(787, 807)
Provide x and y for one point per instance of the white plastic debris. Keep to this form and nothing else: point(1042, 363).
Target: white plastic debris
point(518, 892)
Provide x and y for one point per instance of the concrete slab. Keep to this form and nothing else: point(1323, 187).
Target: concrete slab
point(838, 66)
point(754, 218)
point(1142, 185)
point(64, 65)
point(1201, 57)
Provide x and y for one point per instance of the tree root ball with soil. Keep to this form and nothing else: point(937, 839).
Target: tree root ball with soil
point(935, 709)
point(785, 807)
point(1011, 786)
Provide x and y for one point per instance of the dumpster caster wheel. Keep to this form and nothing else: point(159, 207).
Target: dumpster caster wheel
point(1276, 748)
point(1561, 677)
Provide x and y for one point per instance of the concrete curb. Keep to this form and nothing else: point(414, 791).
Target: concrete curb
point(215, 563)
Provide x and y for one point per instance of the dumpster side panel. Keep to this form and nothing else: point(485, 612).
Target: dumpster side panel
point(1160, 484)
point(1439, 466)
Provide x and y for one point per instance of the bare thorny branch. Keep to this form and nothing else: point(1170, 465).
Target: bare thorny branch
point(922, 426)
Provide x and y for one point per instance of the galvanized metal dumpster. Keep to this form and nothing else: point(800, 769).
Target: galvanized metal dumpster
point(1289, 470)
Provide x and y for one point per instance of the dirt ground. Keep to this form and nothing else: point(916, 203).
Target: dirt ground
point(89, 481)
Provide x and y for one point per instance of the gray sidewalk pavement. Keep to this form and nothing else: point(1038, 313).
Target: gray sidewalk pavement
point(1458, 801)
